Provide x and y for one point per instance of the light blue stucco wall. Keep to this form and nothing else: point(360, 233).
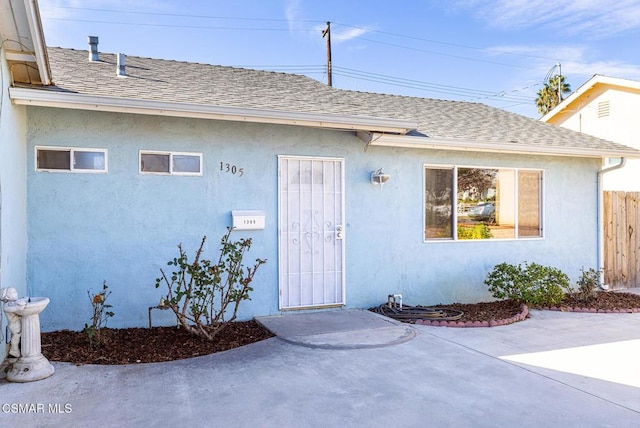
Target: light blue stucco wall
point(123, 226)
point(13, 193)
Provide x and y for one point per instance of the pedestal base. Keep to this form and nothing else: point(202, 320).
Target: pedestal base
point(29, 369)
point(6, 365)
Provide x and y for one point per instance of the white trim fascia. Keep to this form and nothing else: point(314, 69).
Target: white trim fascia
point(46, 98)
point(515, 148)
point(37, 36)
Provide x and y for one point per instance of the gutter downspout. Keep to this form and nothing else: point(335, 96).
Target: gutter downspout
point(600, 255)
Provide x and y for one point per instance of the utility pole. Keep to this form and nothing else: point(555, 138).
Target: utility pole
point(327, 33)
point(559, 83)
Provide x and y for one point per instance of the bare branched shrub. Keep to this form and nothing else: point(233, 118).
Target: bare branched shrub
point(203, 295)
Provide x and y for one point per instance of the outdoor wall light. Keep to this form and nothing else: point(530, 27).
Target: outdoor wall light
point(379, 177)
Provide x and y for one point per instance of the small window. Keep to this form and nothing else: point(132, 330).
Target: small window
point(71, 159)
point(171, 163)
point(154, 162)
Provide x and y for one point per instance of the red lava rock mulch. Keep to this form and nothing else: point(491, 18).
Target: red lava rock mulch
point(146, 345)
point(601, 302)
point(485, 314)
point(493, 314)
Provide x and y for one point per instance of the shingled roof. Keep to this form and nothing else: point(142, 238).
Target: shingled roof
point(211, 85)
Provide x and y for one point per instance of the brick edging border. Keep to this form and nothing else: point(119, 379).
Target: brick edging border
point(590, 310)
point(463, 324)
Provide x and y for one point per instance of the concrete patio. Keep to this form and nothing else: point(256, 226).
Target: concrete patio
point(554, 369)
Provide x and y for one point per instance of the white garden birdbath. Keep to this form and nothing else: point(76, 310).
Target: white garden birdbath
point(31, 365)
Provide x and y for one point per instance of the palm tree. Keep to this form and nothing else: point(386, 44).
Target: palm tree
point(551, 95)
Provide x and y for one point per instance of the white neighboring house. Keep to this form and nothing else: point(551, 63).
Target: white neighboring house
point(606, 107)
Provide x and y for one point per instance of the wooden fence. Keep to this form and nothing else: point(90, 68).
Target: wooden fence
point(621, 239)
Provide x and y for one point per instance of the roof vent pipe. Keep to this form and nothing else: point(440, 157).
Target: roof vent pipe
point(93, 48)
point(121, 65)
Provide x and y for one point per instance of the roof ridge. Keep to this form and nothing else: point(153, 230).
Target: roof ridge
point(278, 73)
point(185, 62)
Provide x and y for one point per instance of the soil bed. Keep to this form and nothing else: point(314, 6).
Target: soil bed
point(157, 344)
point(607, 302)
point(485, 311)
point(146, 345)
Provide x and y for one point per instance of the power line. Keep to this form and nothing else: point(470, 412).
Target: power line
point(290, 68)
point(183, 15)
point(198, 27)
point(342, 71)
point(206, 27)
point(467, 93)
point(442, 54)
point(427, 86)
point(457, 45)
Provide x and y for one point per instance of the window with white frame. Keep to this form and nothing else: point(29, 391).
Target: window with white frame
point(170, 163)
point(464, 203)
point(71, 159)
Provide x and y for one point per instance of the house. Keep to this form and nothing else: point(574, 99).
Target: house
point(109, 161)
point(22, 61)
point(605, 107)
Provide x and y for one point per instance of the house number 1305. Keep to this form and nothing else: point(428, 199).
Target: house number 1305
point(232, 169)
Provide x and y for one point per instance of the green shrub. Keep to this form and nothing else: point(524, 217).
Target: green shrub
point(532, 284)
point(479, 231)
point(205, 296)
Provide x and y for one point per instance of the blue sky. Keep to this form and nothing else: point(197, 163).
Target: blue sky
point(497, 52)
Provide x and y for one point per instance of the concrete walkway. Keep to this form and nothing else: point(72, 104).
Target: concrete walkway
point(341, 329)
point(554, 370)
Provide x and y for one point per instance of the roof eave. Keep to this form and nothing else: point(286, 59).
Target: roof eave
point(487, 147)
point(560, 107)
point(587, 86)
point(47, 98)
point(39, 44)
point(23, 43)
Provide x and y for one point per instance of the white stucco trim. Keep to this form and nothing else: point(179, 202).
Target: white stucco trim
point(45, 98)
point(507, 147)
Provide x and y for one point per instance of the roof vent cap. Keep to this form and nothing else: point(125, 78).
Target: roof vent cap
point(93, 48)
point(121, 71)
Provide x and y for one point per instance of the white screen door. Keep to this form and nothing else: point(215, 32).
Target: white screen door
point(311, 232)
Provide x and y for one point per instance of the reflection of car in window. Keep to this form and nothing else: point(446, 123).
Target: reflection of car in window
point(484, 211)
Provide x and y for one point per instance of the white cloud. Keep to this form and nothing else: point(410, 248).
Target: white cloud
point(577, 63)
point(594, 17)
point(339, 33)
point(607, 68)
point(350, 33)
point(292, 13)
